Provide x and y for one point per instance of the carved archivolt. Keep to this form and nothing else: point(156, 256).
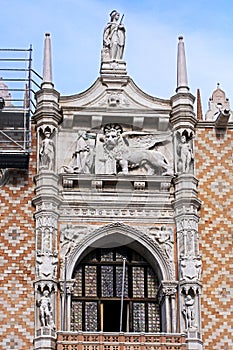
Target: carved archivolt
point(114, 234)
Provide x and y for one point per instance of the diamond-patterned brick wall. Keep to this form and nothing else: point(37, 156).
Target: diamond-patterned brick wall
point(214, 170)
point(17, 261)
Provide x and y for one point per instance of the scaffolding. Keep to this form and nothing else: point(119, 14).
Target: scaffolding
point(17, 83)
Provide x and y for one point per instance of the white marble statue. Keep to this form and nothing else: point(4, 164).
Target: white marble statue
point(185, 153)
point(46, 317)
point(188, 311)
point(47, 152)
point(114, 38)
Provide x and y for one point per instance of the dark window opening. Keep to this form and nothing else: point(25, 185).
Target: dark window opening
point(96, 299)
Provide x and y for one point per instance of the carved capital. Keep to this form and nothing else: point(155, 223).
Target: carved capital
point(167, 289)
point(68, 284)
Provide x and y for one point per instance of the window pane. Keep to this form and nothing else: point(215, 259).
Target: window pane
point(107, 281)
point(138, 317)
point(153, 318)
point(119, 275)
point(90, 281)
point(121, 253)
point(91, 316)
point(76, 316)
point(106, 255)
point(138, 282)
point(78, 282)
point(152, 283)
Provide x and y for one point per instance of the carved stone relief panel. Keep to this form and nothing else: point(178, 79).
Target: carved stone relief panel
point(70, 236)
point(114, 151)
point(165, 237)
point(46, 265)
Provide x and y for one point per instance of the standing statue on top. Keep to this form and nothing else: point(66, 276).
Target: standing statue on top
point(113, 38)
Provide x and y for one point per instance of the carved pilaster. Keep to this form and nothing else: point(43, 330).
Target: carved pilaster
point(186, 207)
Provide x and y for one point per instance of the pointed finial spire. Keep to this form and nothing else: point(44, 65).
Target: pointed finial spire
point(199, 106)
point(182, 78)
point(47, 69)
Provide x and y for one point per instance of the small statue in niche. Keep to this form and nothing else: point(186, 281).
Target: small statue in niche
point(113, 38)
point(47, 152)
point(185, 152)
point(188, 311)
point(46, 311)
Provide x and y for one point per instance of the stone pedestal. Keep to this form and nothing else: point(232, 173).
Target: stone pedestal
point(45, 339)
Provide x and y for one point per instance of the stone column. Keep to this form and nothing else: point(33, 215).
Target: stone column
point(167, 296)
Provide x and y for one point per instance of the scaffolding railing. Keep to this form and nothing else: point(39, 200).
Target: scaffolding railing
point(18, 84)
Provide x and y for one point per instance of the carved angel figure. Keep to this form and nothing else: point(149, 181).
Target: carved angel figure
point(184, 152)
point(118, 151)
point(70, 235)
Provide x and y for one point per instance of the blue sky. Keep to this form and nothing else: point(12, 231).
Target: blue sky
point(152, 26)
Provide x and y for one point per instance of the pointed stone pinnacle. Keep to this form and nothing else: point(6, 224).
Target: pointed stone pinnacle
point(182, 78)
point(47, 68)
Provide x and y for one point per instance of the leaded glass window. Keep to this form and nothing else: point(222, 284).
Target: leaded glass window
point(96, 298)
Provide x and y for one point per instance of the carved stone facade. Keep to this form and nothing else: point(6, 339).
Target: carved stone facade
point(115, 213)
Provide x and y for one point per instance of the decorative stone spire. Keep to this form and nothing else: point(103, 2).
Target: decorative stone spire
point(47, 69)
point(182, 78)
point(199, 106)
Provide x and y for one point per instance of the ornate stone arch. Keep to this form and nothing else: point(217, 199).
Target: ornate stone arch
point(121, 234)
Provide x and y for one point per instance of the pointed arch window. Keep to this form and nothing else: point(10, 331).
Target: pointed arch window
point(96, 299)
